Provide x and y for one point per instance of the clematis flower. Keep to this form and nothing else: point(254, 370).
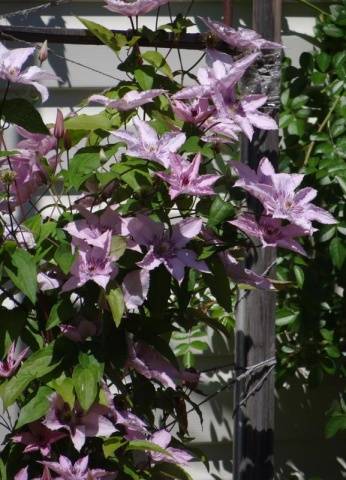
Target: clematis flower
point(146, 143)
point(22, 474)
point(80, 332)
point(40, 143)
point(135, 288)
point(147, 361)
point(48, 280)
point(38, 438)
point(9, 366)
point(271, 232)
point(11, 64)
point(21, 236)
point(133, 8)
point(244, 112)
point(237, 272)
point(220, 130)
point(277, 193)
point(167, 248)
point(194, 112)
point(77, 471)
point(129, 101)
point(219, 77)
point(162, 438)
point(185, 179)
point(243, 38)
point(133, 427)
point(77, 423)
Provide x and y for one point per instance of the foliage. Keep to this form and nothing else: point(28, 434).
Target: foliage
point(311, 320)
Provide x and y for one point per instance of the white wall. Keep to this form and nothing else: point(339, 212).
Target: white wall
point(300, 419)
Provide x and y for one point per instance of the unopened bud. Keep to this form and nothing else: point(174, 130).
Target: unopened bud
point(67, 140)
point(59, 129)
point(43, 53)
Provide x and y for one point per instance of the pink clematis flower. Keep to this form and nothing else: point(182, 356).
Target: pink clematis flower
point(194, 112)
point(133, 8)
point(243, 38)
point(133, 427)
point(94, 230)
point(244, 112)
point(92, 263)
point(77, 471)
point(129, 101)
point(220, 130)
point(38, 142)
point(48, 280)
point(22, 474)
point(11, 64)
point(185, 179)
point(167, 248)
point(135, 288)
point(221, 75)
point(162, 438)
point(271, 232)
point(146, 143)
point(277, 193)
point(80, 332)
point(152, 365)
point(9, 366)
point(38, 438)
point(77, 423)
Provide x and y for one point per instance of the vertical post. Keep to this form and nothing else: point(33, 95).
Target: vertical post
point(228, 12)
point(253, 454)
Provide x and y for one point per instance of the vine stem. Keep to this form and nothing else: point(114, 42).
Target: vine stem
point(311, 5)
point(321, 128)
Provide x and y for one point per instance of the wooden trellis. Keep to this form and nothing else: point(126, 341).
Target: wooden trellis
point(253, 436)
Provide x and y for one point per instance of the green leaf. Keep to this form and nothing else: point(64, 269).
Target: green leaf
point(333, 31)
point(336, 423)
point(285, 316)
point(299, 274)
point(54, 317)
point(144, 445)
point(26, 277)
point(39, 363)
point(36, 408)
point(86, 380)
point(111, 445)
point(89, 122)
point(106, 36)
point(218, 284)
point(64, 386)
point(299, 101)
point(118, 247)
point(158, 61)
point(337, 250)
point(145, 77)
point(219, 212)
point(170, 471)
point(64, 257)
point(11, 390)
point(115, 300)
point(23, 113)
point(323, 61)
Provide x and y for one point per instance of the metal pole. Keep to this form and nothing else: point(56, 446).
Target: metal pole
point(253, 453)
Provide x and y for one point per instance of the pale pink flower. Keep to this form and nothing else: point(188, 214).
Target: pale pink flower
point(243, 38)
point(48, 280)
point(40, 143)
point(271, 232)
point(77, 471)
point(22, 474)
point(196, 111)
point(135, 288)
point(11, 64)
point(80, 332)
point(129, 101)
point(278, 195)
point(78, 424)
point(162, 438)
point(184, 178)
point(167, 247)
point(135, 7)
point(59, 129)
point(145, 143)
point(133, 427)
point(152, 365)
point(38, 438)
point(9, 366)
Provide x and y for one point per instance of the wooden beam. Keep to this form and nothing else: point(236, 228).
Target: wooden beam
point(253, 455)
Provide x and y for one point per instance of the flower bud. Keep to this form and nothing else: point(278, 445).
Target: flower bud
point(67, 140)
point(59, 129)
point(43, 53)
